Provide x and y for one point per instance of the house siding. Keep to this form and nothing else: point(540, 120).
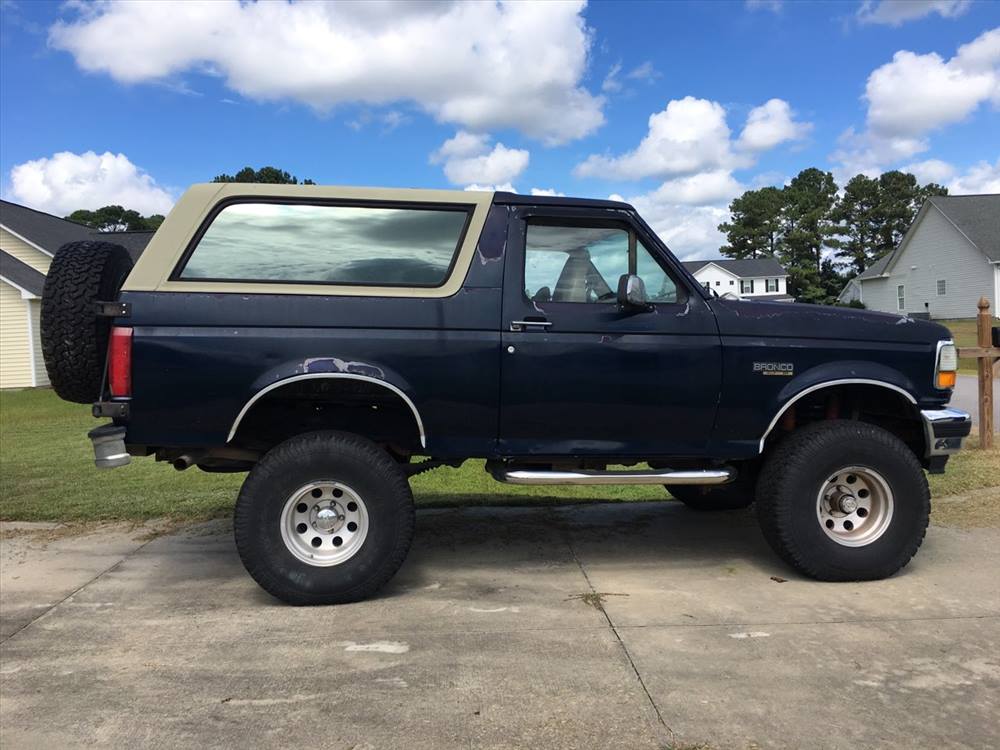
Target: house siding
point(24, 252)
point(35, 310)
point(722, 281)
point(15, 350)
point(936, 251)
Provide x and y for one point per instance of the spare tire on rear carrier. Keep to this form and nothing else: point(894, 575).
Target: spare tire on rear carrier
point(74, 333)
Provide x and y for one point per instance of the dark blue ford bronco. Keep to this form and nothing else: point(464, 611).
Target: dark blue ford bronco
point(333, 342)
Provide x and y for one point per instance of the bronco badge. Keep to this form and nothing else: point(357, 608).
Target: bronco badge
point(781, 369)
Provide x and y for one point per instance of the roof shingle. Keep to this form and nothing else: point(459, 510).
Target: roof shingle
point(746, 268)
point(20, 273)
point(50, 232)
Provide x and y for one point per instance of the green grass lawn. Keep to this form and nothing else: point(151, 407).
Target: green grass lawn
point(964, 333)
point(47, 474)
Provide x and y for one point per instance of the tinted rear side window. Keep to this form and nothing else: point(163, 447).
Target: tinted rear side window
point(325, 244)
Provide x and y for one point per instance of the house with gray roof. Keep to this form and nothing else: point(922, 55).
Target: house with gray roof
point(750, 278)
point(948, 259)
point(28, 241)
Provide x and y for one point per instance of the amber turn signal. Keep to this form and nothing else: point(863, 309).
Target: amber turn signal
point(946, 379)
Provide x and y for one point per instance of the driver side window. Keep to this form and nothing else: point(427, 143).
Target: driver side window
point(582, 264)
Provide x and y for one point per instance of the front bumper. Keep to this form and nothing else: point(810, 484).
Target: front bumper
point(944, 430)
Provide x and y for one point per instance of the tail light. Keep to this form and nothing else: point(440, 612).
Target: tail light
point(947, 364)
point(120, 362)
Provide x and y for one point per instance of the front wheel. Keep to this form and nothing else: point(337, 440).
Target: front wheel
point(324, 518)
point(843, 501)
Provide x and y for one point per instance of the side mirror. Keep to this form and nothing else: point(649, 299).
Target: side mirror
point(632, 294)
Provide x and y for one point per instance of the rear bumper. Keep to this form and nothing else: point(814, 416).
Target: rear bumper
point(944, 430)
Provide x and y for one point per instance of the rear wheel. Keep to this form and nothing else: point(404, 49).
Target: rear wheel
point(324, 518)
point(843, 501)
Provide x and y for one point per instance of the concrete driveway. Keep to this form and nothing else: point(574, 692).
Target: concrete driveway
point(633, 626)
point(966, 397)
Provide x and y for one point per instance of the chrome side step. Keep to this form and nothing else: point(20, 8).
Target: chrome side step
point(649, 476)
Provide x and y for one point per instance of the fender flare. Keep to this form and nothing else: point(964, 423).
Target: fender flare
point(330, 376)
point(829, 384)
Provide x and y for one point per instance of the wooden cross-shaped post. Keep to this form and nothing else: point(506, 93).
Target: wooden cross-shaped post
point(986, 354)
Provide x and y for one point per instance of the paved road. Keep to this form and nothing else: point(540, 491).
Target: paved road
point(488, 637)
point(966, 397)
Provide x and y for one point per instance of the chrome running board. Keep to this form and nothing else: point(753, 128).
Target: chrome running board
point(649, 476)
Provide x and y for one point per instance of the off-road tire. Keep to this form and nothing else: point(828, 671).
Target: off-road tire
point(705, 499)
point(791, 480)
point(74, 337)
point(322, 456)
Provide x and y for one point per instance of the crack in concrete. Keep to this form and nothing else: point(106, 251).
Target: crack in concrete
point(75, 591)
point(628, 656)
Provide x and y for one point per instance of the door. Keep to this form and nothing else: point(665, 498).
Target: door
point(579, 376)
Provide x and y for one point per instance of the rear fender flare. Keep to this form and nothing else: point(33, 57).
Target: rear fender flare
point(329, 368)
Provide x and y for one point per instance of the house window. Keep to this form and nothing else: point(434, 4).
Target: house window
point(746, 286)
point(772, 285)
point(942, 287)
point(731, 282)
point(900, 298)
point(718, 283)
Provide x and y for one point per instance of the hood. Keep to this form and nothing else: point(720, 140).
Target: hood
point(787, 319)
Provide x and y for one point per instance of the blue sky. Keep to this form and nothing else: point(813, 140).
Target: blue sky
point(132, 102)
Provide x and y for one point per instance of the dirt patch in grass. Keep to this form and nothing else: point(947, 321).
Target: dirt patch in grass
point(971, 510)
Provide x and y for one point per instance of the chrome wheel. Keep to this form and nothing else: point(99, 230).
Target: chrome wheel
point(855, 506)
point(324, 523)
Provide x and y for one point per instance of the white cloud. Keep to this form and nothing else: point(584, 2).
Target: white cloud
point(691, 135)
point(644, 72)
point(982, 177)
point(914, 95)
point(978, 179)
point(546, 191)
point(867, 153)
point(931, 170)
point(504, 188)
point(480, 65)
point(691, 232)
point(686, 212)
point(467, 158)
point(771, 124)
point(64, 182)
point(774, 6)
point(706, 188)
point(611, 83)
point(898, 12)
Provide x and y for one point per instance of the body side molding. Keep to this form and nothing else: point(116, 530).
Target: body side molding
point(828, 384)
point(331, 375)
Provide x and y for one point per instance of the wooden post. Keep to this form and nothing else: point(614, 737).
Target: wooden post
point(983, 337)
point(985, 355)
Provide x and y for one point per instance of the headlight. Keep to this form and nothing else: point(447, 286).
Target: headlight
point(947, 364)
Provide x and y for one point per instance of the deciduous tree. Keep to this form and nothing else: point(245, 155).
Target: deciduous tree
point(269, 175)
point(116, 219)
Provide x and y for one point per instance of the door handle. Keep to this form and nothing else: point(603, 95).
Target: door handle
point(520, 325)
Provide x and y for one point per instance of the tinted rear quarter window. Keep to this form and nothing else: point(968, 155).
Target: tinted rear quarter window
point(328, 244)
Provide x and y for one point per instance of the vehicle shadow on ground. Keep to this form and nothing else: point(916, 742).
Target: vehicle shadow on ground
point(479, 540)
